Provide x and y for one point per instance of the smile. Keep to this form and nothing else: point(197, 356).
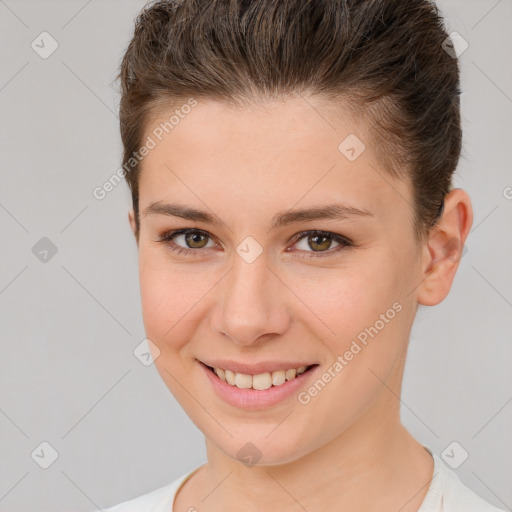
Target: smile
point(257, 386)
point(260, 381)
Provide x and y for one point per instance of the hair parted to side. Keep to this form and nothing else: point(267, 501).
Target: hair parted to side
point(381, 59)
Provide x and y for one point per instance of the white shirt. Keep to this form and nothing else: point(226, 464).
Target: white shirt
point(446, 494)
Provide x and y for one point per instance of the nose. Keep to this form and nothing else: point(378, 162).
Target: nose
point(252, 304)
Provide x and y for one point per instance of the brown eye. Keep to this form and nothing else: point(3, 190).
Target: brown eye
point(320, 242)
point(196, 239)
point(187, 241)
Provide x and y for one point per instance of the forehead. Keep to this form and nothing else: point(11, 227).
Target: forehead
point(281, 151)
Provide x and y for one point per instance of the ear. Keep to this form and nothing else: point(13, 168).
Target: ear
point(133, 225)
point(444, 248)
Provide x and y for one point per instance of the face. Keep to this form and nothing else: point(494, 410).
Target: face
point(254, 287)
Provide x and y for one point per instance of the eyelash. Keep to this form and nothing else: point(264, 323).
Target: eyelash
point(166, 238)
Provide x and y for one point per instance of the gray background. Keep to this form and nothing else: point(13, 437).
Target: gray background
point(69, 326)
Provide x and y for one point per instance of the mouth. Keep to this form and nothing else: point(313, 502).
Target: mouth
point(260, 381)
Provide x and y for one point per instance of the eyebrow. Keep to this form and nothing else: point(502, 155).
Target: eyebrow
point(281, 219)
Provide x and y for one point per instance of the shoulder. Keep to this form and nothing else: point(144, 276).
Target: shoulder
point(449, 494)
point(457, 497)
point(160, 499)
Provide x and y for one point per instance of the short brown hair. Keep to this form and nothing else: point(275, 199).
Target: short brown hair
point(384, 58)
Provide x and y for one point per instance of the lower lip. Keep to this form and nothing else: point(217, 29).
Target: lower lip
point(254, 399)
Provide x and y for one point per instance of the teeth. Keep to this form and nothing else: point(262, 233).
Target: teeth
point(290, 374)
point(220, 373)
point(261, 381)
point(278, 378)
point(230, 377)
point(243, 381)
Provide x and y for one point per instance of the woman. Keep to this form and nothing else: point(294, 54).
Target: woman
point(290, 164)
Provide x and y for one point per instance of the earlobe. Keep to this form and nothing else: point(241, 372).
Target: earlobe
point(444, 248)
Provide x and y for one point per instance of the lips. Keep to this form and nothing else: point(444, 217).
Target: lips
point(260, 397)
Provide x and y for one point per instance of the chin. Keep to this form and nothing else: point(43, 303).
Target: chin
point(264, 452)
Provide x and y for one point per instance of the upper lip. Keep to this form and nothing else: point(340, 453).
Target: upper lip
point(254, 368)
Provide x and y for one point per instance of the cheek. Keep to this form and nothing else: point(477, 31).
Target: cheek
point(362, 315)
point(166, 296)
point(171, 298)
point(367, 335)
point(349, 299)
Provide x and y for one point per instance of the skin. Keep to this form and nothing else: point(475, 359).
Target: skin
point(346, 449)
